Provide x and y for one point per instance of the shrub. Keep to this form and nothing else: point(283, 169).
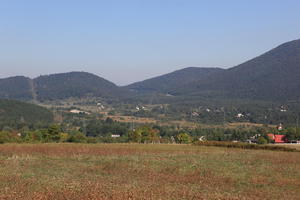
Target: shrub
point(6, 136)
point(52, 134)
point(183, 138)
point(77, 138)
point(261, 140)
point(63, 137)
point(135, 136)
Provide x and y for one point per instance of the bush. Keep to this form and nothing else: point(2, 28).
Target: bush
point(261, 140)
point(63, 137)
point(183, 138)
point(77, 138)
point(6, 136)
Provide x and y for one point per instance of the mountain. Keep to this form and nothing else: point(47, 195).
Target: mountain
point(167, 82)
point(74, 84)
point(14, 113)
point(59, 86)
point(15, 88)
point(272, 76)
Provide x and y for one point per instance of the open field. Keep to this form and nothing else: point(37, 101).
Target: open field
point(67, 104)
point(137, 171)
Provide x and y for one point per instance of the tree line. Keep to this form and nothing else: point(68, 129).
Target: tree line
point(95, 130)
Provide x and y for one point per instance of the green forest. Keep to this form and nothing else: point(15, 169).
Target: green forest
point(24, 122)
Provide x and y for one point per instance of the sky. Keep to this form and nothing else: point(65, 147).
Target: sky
point(126, 41)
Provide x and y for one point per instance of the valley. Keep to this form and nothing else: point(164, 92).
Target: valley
point(149, 100)
point(241, 103)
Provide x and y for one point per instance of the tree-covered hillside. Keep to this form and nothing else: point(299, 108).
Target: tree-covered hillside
point(16, 114)
point(74, 84)
point(274, 75)
point(59, 86)
point(170, 81)
point(15, 88)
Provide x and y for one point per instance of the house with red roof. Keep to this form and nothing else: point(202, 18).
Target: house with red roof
point(277, 138)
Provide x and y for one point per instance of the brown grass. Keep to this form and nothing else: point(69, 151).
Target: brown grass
point(133, 171)
point(242, 145)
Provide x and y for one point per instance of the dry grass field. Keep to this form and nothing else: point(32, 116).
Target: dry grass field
point(136, 171)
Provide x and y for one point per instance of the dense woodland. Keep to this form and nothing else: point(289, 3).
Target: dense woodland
point(23, 122)
point(168, 82)
point(273, 76)
point(15, 88)
point(74, 84)
point(15, 115)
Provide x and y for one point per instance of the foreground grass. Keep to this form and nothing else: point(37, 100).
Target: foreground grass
point(133, 171)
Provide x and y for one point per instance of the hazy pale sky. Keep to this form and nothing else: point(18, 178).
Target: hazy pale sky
point(130, 40)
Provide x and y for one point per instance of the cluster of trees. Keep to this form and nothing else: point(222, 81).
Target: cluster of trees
point(292, 133)
point(56, 133)
point(53, 133)
point(144, 134)
point(104, 128)
point(92, 129)
point(212, 111)
point(16, 115)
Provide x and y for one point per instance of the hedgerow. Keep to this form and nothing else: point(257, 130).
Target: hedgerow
point(245, 146)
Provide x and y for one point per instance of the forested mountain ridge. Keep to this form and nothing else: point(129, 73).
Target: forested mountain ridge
point(17, 87)
point(74, 84)
point(167, 82)
point(59, 86)
point(274, 75)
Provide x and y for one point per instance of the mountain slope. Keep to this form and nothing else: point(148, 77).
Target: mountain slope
point(59, 86)
point(74, 84)
point(17, 87)
point(13, 113)
point(274, 75)
point(167, 82)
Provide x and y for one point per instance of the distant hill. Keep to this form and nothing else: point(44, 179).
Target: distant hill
point(170, 81)
point(59, 86)
point(14, 113)
point(274, 75)
point(74, 84)
point(15, 88)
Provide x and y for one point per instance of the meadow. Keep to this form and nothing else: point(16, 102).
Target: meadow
point(146, 171)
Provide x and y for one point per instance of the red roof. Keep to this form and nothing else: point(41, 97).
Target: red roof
point(277, 138)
